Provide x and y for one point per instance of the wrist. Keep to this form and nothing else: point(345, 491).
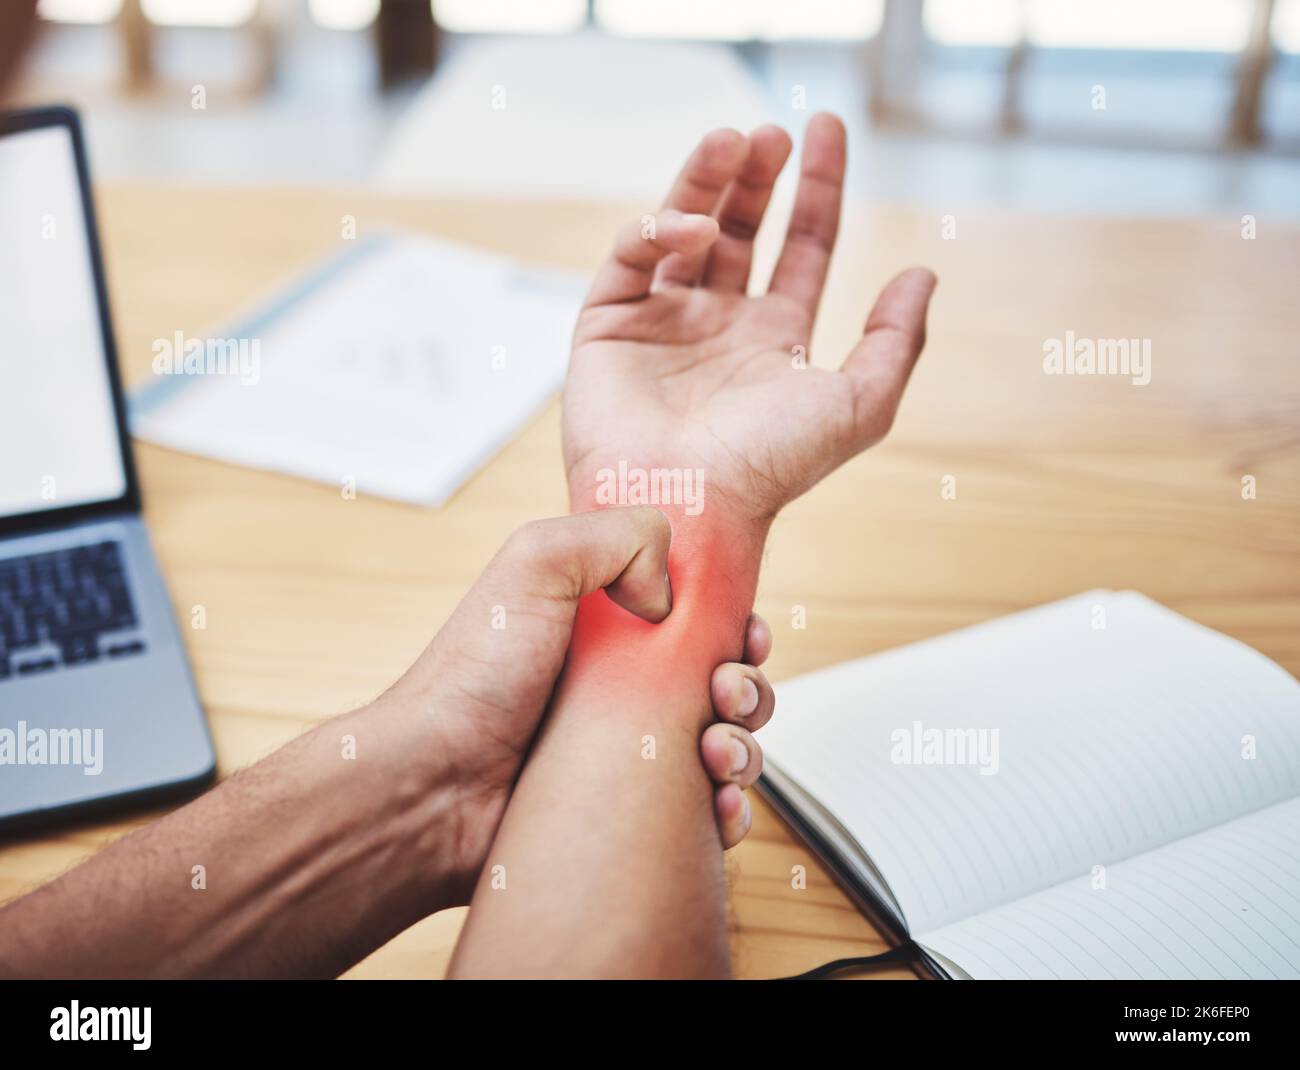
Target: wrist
point(601, 480)
point(714, 560)
point(712, 526)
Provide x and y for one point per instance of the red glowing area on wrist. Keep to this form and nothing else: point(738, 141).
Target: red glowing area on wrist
point(713, 568)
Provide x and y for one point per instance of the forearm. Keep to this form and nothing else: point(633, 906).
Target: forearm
point(309, 859)
point(610, 863)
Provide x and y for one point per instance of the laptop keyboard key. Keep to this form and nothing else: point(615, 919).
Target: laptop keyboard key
point(68, 598)
point(30, 668)
point(78, 648)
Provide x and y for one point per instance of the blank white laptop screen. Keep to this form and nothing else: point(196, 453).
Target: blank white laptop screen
point(58, 436)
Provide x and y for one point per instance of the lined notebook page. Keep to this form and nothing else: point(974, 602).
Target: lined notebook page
point(1120, 727)
point(1222, 904)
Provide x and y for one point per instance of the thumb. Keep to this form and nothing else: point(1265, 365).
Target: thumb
point(624, 550)
point(538, 578)
point(880, 364)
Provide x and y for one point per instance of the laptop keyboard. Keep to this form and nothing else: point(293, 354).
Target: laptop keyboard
point(60, 609)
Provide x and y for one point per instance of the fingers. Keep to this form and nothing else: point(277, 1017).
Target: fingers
point(742, 696)
point(882, 361)
point(716, 161)
point(800, 272)
point(743, 702)
point(733, 814)
point(758, 641)
point(733, 176)
point(742, 210)
point(706, 172)
point(731, 755)
point(641, 246)
point(623, 550)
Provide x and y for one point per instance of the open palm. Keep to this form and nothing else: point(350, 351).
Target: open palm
point(674, 365)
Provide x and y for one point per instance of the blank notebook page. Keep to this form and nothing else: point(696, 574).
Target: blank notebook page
point(1111, 741)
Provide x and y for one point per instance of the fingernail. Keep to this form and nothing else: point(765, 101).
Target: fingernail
point(748, 697)
point(668, 591)
point(739, 755)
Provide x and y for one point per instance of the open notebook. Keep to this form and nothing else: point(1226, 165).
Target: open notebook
point(1095, 788)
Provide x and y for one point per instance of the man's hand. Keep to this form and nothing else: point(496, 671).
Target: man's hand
point(674, 365)
point(473, 701)
point(676, 371)
point(340, 840)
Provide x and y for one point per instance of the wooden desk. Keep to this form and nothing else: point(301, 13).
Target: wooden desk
point(315, 604)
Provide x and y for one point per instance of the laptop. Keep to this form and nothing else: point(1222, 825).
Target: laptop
point(97, 704)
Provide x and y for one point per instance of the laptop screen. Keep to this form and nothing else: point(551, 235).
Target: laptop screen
point(58, 431)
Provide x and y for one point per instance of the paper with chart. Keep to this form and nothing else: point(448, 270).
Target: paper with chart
point(400, 366)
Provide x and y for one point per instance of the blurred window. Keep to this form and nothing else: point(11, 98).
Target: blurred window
point(199, 12)
point(510, 16)
point(742, 20)
point(959, 22)
point(79, 10)
point(1189, 72)
point(1286, 26)
point(343, 14)
point(1155, 25)
point(1164, 25)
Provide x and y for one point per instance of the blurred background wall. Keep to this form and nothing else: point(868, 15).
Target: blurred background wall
point(1109, 106)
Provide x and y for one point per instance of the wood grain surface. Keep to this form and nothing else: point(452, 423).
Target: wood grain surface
point(1063, 483)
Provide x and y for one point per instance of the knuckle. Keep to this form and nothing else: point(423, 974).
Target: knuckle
point(652, 524)
point(538, 541)
point(887, 416)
